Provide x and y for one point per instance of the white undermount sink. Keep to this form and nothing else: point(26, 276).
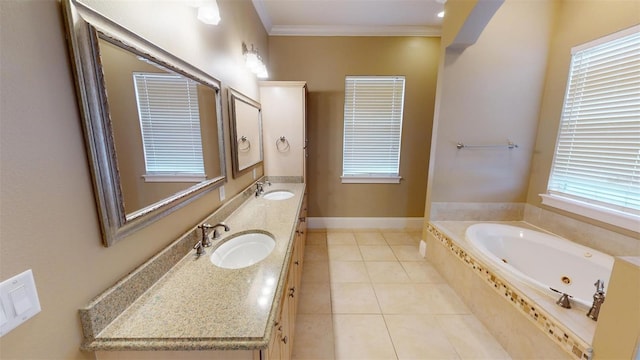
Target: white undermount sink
point(243, 250)
point(278, 195)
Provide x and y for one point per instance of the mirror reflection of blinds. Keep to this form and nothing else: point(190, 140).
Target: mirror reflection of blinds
point(597, 157)
point(170, 123)
point(372, 125)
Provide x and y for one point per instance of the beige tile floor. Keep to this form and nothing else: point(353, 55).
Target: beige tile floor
point(370, 295)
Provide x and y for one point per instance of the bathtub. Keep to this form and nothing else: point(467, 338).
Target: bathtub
point(541, 260)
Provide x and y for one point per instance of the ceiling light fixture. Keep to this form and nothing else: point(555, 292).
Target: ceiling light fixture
point(441, 13)
point(254, 61)
point(208, 12)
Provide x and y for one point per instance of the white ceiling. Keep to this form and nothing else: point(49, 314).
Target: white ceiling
point(350, 17)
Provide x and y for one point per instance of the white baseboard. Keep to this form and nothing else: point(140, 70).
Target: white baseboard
point(365, 223)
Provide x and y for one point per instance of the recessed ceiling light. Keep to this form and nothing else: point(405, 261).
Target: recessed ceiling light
point(441, 14)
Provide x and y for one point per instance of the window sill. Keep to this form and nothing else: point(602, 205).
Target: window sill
point(371, 179)
point(174, 178)
point(609, 216)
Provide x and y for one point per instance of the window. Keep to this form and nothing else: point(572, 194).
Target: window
point(170, 125)
point(373, 108)
point(596, 167)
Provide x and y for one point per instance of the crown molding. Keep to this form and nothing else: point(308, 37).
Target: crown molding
point(263, 14)
point(353, 30)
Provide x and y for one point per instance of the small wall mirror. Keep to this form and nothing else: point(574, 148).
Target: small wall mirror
point(153, 123)
point(246, 128)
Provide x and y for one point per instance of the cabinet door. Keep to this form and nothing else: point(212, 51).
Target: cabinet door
point(293, 291)
point(299, 259)
point(283, 116)
point(274, 350)
point(288, 315)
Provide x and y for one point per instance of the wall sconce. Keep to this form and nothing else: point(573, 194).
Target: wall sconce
point(254, 62)
point(208, 11)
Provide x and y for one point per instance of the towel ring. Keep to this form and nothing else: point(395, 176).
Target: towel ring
point(282, 144)
point(243, 140)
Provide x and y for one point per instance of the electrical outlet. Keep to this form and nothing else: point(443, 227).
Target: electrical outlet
point(255, 174)
point(221, 190)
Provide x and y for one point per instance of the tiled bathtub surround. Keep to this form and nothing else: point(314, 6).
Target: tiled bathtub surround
point(537, 307)
point(168, 302)
point(609, 242)
point(476, 211)
point(595, 237)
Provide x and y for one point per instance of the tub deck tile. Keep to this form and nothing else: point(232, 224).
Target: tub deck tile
point(575, 342)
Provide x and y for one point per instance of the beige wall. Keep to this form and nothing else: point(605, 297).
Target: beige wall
point(578, 22)
point(48, 219)
point(323, 62)
point(489, 93)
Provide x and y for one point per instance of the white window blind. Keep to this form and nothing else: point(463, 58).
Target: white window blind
point(373, 109)
point(597, 158)
point(170, 124)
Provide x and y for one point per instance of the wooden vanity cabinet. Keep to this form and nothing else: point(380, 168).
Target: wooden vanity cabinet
point(281, 344)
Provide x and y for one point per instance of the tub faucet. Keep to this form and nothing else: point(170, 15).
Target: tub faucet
point(564, 301)
point(598, 299)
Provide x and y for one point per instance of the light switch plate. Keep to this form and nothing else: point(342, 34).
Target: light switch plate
point(3, 316)
point(18, 301)
point(222, 194)
point(255, 174)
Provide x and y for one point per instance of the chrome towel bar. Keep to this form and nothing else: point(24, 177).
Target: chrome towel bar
point(509, 145)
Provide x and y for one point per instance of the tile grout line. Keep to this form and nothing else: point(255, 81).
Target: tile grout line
point(386, 325)
point(371, 283)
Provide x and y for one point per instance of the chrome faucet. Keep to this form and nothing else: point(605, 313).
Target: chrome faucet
point(205, 238)
point(564, 301)
point(598, 299)
point(216, 234)
point(199, 249)
point(205, 241)
point(260, 187)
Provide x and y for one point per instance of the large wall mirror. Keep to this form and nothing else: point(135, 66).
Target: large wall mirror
point(152, 122)
point(246, 129)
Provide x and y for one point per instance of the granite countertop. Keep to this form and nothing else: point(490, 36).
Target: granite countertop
point(199, 306)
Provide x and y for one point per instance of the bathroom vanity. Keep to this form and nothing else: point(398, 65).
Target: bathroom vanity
point(200, 310)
